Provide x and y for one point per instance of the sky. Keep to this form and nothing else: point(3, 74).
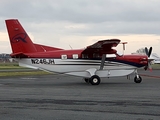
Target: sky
point(79, 23)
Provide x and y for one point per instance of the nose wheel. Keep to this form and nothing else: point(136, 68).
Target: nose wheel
point(137, 79)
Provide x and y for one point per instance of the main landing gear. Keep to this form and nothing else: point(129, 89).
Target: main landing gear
point(94, 80)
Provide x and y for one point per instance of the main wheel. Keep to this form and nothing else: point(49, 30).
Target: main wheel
point(95, 80)
point(137, 80)
point(86, 80)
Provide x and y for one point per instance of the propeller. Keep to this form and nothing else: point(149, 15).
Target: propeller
point(148, 53)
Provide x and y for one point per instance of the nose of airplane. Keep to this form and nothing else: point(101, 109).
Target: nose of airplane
point(144, 60)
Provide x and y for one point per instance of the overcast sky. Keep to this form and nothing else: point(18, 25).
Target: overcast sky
point(79, 23)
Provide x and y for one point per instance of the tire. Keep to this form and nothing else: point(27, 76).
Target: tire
point(95, 80)
point(137, 80)
point(86, 80)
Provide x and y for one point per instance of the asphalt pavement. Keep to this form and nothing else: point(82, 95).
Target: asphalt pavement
point(62, 97)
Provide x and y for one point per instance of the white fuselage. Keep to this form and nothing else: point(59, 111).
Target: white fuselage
point(78, 67)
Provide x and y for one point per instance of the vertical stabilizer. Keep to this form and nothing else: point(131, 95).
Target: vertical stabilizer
point(19, 40)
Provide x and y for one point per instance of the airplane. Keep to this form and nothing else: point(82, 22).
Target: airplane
point(156, 58)
point(92, 63)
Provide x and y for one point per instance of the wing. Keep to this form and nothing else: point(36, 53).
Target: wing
point(102, 47)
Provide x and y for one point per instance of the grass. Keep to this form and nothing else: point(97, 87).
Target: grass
point(15, 66)
point(24, 73)
point(9, 65)
point(156, 66)
point(12, 67)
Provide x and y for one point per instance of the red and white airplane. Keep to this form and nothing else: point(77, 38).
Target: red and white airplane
point(95, 61)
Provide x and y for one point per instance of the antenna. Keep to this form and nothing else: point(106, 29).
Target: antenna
point(123, 46)
point(70, 47)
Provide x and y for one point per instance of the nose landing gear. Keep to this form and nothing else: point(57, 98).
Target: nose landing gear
point(137, 78)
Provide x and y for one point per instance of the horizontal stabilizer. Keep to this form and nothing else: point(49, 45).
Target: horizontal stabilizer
point(44, 48)
point(19, 55)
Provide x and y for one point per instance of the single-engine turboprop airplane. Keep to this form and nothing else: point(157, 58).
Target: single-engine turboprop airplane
point(95, 61)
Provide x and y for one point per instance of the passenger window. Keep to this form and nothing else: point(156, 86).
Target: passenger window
point(63, 57)
point(75, 56)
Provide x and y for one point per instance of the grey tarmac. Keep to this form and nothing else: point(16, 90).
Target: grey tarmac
point(62, 97)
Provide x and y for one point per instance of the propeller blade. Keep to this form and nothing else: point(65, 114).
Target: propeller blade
point(150, 51)
point(145, 68)
point(149, 66)
point(146, 50)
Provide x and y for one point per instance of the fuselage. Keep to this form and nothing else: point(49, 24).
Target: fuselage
point(71, 61)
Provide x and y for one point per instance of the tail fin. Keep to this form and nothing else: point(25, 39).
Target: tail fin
point(19, 40)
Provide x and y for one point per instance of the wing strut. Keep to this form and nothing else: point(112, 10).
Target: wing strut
point(102, 61)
